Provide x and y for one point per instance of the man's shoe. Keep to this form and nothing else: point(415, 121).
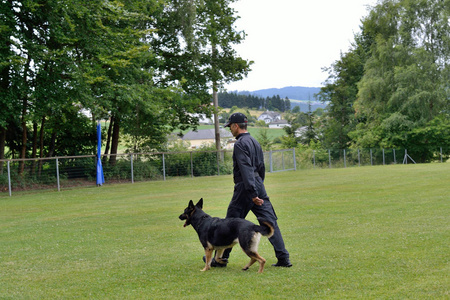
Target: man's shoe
point(283, 263)
point(216, 264)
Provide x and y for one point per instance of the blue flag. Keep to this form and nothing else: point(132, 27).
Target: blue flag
point(100, 177)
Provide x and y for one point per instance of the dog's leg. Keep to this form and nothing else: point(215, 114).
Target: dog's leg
point(254, 256)
point(208, 259)
point(261, 261)
point(219, 254)
point(252, 261)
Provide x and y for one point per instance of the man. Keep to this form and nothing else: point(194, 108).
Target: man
point(249, 191)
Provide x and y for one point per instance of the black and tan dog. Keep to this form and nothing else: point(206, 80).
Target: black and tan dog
point(220, 234)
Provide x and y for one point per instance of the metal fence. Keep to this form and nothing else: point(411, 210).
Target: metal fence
point(73, 171)
point(344, 158)
point(65, 172)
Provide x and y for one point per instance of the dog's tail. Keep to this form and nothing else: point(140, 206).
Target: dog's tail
point(266, 228)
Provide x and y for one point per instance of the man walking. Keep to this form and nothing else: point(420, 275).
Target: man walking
point(249, 191)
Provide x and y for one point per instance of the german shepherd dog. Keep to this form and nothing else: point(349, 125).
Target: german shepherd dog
point(219, 234)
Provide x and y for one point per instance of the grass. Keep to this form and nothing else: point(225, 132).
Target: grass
point(272, 133)
point(362, 232)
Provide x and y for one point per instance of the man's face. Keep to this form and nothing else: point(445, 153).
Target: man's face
point(234, 129)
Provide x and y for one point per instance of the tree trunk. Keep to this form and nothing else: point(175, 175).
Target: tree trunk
point(34, 147)
point(23, 150)
point(2, 146)
point(41, 145)
point(51, 149)
point(115, 141)
point(108, 139)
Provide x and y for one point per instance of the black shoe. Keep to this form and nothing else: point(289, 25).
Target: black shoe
point(216, 264)
point(284, 262)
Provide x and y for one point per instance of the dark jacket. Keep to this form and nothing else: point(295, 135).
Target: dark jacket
point(248, 162)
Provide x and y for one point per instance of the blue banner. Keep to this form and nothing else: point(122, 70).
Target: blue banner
point(100, 177)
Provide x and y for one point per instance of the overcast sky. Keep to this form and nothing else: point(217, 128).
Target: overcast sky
point(290, 41)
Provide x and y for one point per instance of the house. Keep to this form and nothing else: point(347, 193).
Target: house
point(208, 136)
point(279, 124)
point(301, 132)
point(203, 119)
point(269, 117)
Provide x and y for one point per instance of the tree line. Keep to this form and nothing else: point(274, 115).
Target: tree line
point(144, 65)
point(392, 88)
point(148, 66)
point(228, 100)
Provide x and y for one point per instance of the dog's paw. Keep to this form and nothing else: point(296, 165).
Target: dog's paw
point(245, 268)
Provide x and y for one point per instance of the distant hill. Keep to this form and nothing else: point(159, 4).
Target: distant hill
point(298, 95)
point(292, 92)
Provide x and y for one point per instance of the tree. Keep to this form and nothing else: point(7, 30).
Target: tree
point(144, 64)
point(394, 79)
point(340, 92)
point(216, 35)
point(264, 140)
point(310, 134)
point(406, 76)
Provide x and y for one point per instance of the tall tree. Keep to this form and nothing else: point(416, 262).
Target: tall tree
point(405, 84)
point(340, 92)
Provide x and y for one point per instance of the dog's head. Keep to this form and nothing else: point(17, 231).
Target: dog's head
point(189, 211)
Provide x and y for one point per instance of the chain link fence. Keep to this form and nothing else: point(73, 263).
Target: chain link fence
point(69, 172)
point(344, 158)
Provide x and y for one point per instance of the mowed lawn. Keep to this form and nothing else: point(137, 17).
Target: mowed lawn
point(379, 232)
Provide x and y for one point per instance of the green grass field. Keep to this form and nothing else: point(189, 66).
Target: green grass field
point(378, 232)
point(272, 133)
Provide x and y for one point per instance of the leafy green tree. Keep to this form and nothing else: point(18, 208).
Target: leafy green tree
point(405, 82)
point(295, 121)
point(8, 74)
point(340, 92)
point(310, 134)
point(426, 141)
point(264, 140)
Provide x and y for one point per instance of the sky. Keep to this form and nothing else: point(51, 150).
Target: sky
point(291, 41)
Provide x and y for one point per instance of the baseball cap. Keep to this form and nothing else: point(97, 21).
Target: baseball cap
point(236, 118)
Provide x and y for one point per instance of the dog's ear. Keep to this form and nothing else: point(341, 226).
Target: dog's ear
point(191, 204)
point(200, 203)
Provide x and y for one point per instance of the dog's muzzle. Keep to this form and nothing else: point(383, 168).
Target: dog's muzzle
point(184, 217)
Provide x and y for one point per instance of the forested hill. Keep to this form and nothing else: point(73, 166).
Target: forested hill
point(228, 100)
point(298, 96)
point(291, 92)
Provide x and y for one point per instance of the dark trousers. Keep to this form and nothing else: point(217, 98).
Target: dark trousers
point(241, 204)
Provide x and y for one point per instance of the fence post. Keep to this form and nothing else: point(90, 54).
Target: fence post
point(329, 158)
point(383, 158)
point(295, 162)
point(9, 178)
point(345, 161)
point(371, 158)
point(164, 167)
point(132, 172)
point(270, 161)
point(441, 154)
point(57, 174)
point(395, 160)
point(192, 167)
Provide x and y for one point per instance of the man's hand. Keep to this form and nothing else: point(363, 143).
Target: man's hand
point(258, 201)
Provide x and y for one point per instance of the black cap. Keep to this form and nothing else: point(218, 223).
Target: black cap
point(236, 118)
